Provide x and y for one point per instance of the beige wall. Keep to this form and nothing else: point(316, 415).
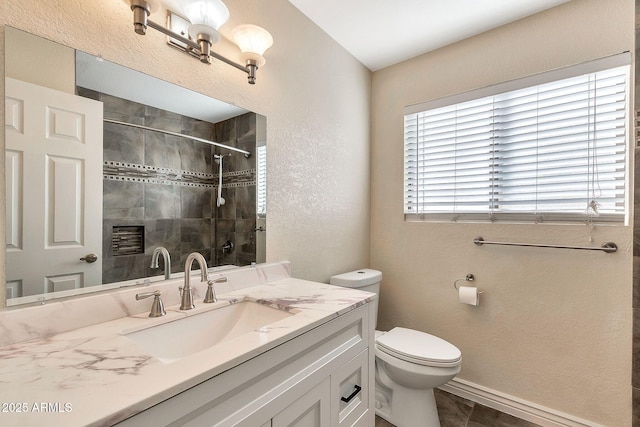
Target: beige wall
point(25, 54)
point(554, 326)
point(315, 96)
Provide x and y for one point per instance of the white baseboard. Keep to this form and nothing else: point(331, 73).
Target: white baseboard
point(511, 405)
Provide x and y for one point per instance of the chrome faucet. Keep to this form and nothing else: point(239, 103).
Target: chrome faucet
point(187, 292)
point(167, 261)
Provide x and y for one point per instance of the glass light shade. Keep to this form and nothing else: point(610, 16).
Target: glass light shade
point(253, 41)
point(206, 17)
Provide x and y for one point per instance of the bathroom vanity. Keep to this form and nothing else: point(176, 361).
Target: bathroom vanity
point(273, 350)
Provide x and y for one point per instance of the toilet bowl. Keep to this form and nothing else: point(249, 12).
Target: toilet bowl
point(409, 364)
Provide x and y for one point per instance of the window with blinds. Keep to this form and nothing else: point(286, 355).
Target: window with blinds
point(554, 151)
point(261, 180)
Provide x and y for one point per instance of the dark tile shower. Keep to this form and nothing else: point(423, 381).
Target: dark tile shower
point(160, 190)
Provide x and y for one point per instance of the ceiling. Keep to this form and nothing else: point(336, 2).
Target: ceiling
point(380, 33)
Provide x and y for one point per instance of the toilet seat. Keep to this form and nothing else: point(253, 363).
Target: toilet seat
point(418, 347)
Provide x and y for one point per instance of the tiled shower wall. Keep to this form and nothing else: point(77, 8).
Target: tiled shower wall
point(236, 219)
point(165, 186)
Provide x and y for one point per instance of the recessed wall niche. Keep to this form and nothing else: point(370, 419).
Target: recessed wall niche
point(127, 240)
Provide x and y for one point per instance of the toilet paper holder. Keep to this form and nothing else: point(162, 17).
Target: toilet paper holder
point(468, 278)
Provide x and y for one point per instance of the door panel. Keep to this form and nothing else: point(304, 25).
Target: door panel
point(64, 201)
point(54, 189)
point(13, 217)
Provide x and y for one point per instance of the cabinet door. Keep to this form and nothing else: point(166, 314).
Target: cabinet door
point(313, 409)
point(349, 391)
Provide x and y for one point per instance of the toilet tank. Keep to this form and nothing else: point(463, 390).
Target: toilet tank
point(364, 279)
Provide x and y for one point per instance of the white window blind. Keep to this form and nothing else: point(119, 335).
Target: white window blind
point(261, 180)
point(553, 151)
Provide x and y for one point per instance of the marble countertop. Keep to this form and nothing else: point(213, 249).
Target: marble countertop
point(94, 375)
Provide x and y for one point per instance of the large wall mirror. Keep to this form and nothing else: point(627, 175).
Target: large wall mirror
point(104, 165)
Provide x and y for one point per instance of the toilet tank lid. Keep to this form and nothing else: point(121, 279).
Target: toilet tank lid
point(357, 278)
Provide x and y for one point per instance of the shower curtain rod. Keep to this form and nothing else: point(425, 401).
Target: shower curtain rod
point(608, 247)
point(247, 154)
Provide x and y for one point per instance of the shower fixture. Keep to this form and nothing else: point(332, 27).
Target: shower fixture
point(228, 247)
point(219, 200)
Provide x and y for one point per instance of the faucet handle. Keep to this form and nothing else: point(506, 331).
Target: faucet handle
point(157, 307)
point(210, 296)
point(211, 293)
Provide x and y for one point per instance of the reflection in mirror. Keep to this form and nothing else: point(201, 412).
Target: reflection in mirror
point(89, 198)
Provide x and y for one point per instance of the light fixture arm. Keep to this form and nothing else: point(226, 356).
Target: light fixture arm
point(193, 45)
point(205, 42)
point(141, 10)
point(201, 48)
point(252, 67)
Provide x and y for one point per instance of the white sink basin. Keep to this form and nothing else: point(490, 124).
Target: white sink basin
point(183, 337)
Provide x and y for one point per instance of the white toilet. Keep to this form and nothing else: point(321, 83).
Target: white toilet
point(409, 364)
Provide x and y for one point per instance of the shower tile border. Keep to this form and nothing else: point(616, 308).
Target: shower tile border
point(132, 172)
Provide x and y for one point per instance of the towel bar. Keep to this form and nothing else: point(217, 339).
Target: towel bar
point(608, 247)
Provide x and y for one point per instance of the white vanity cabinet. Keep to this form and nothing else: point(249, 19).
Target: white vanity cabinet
point(324, 405)
point(301, 382)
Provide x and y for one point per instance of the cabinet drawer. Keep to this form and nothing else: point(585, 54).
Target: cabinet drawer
point(310, 410)
point(350, 391)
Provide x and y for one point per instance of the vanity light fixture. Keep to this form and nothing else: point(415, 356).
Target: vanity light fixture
point(205, 18)
point(253, 41)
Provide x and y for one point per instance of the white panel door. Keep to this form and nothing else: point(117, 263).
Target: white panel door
point(54, 189)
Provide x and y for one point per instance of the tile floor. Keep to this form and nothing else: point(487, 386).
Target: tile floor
point(455, 411)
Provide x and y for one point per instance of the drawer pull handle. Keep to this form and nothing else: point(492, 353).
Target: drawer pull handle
point(356, 390)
